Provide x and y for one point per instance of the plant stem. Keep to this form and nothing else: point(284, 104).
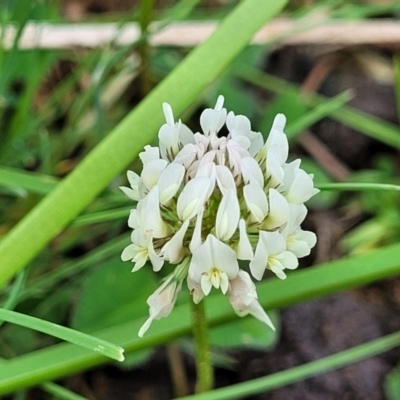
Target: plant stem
point(204, 369)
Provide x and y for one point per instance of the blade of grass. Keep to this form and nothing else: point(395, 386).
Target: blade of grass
point(371, 126)
point(356, 186)
point(30, 181)
point(114, 154)
point(60, 392)
point(15, 292)
point(45, 282)
point(102, 216)
point(320, 111)
point(70, 335)
point(396, 65)
point(63, 360)
point(296, 374)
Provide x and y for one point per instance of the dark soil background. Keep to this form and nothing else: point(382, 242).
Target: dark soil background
point(316, 328)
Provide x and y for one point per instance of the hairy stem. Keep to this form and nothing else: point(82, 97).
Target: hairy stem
point(204, 368)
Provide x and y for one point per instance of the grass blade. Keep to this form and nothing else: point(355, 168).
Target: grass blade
point(30, 181)
point(371, 126)
point(296, 374)
point(356, 186)
point(70, 335)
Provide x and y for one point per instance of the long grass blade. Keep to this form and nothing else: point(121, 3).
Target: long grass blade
point(70, 335)
point(296, 374)
point(356, 186)
point(371, 126)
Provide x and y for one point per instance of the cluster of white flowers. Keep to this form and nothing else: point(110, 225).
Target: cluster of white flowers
point(206, 201)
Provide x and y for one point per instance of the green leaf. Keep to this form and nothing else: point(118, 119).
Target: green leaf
point(246, 332)
point(113, 294)
point(392, 384)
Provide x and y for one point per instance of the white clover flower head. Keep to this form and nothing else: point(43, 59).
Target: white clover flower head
point(206, 200)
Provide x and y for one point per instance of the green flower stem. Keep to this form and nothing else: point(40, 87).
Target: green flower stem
point(204, 368)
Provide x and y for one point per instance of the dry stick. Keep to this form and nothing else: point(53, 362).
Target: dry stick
point(177, 370)
point(323, 155)
point(328, 32)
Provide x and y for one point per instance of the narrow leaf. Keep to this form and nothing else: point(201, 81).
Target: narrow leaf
point(70, 335)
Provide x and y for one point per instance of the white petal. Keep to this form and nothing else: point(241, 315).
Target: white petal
point(149, 154)
point(193, 197)
point(256, 201)
point(251, 171)
point(223, 256)
point(278, 211)
point(287, 259)
point(153, 220)
point(224, 283)
point(228, 215)
point(152, 171)
point(168, 141)
point(273, 241)
point(132, 194)
point(133, 221)
point(195, 290)
point(302, 188)
point(196, 238)
point(129, 252)
point(278, 137)
point(170, 181)
point(274, 170)
point(168, 113)
point(187, 155)
point(278, 271)
point(224, 178)
point(213, 254)
point(212, 120)
point(242, 289)
point(143, 329)
point(206, 284)
point(155, 259)
point(259, 262)
point(244, 250)
point(239, 123)
point(220, 103)
point(185, 134)
point(133, 179)
point(258, 312)
point(301, 243)
point(162, 301)
point(173, 251)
